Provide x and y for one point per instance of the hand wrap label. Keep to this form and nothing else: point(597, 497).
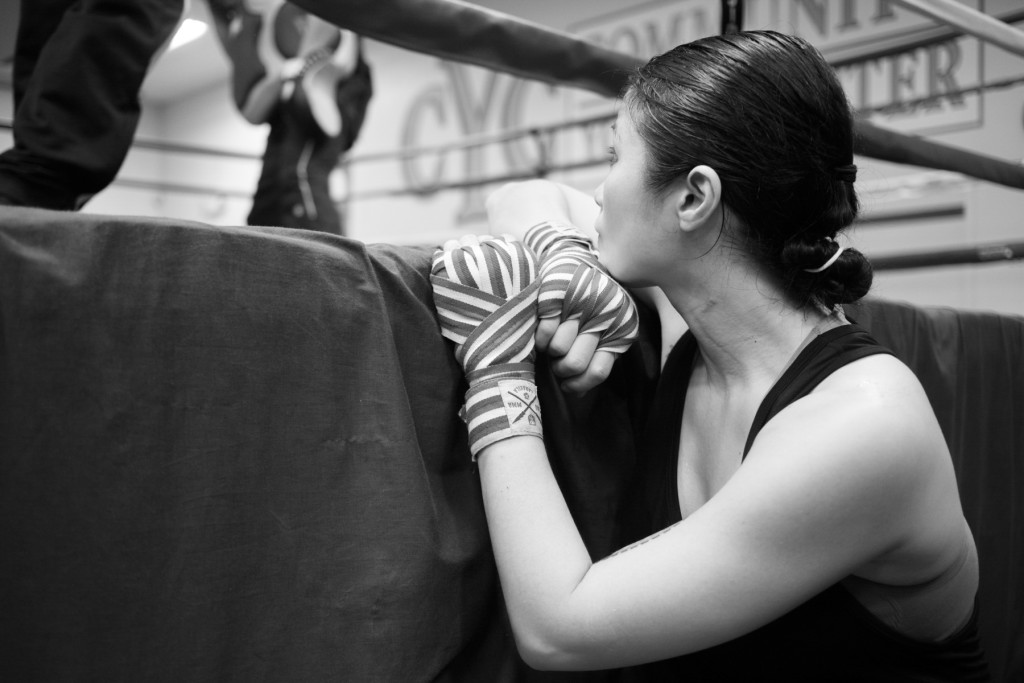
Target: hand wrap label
point(486, 300)
point(574, 285)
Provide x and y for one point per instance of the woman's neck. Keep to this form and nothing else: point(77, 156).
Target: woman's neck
point(749, 334)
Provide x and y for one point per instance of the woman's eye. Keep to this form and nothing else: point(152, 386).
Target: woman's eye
point(612, 158)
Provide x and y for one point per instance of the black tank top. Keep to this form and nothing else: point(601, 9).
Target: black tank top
point(831, 637)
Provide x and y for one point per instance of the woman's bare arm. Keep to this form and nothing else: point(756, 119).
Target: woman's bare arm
point(818, 498)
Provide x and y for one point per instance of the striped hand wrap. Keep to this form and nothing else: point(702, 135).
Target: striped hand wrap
point(486, 300)
point(574, 285)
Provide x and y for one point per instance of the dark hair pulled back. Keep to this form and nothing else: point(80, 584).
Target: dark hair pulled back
point(767, 112)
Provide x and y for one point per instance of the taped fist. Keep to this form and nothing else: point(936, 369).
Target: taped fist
point(485, 291)
point(586, 316)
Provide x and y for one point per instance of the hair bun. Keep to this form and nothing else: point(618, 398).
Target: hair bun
point(826, 273)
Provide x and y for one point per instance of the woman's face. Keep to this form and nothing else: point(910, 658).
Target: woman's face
point(632, 230)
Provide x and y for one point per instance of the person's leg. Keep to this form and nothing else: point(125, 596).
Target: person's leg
point(78, 69)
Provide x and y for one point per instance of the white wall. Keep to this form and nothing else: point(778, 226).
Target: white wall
point(422, 101)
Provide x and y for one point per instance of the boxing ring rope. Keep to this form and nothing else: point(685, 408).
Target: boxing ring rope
point(177, 148)
point(888, 145)
point(479, 140)
point(180, 188)
point(181, 148)
point(460, 32)
point(987, 253)
point(541, 134)
point(970, 21)
point(911, 104)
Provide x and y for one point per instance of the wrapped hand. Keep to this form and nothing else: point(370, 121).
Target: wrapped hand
point(575, 287)
point(485, 293)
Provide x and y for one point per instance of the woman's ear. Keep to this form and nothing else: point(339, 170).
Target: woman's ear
point(699, 198)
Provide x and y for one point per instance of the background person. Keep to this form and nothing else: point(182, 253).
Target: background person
point(308, 80)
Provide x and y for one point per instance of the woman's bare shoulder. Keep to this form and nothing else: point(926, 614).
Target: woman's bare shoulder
point(880, 387)
point(870, 427)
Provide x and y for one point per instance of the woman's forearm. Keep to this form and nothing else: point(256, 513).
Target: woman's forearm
point(540, 555)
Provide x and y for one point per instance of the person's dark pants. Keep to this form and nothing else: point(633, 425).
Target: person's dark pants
point(78, 68)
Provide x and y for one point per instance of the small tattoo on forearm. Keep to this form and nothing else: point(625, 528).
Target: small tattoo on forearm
point(643, 540)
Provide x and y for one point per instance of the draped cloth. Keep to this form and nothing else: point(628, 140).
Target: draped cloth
point(234, 454)
point(971, 364)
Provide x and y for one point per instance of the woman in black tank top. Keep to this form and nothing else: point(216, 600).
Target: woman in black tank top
point(795, 514)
